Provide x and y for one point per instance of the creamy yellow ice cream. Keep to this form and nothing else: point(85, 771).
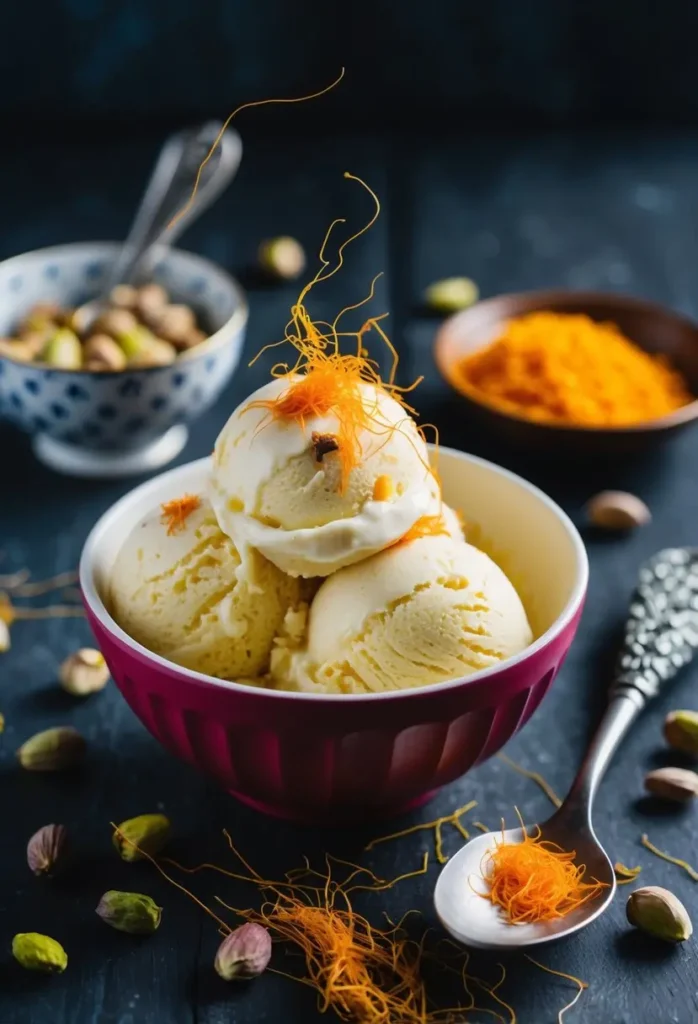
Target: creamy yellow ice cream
point(419, 613)
point(186, 596)
point(277, 484)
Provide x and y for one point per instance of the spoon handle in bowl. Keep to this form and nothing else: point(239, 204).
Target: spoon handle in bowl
point(170, 189)
point(661, 636)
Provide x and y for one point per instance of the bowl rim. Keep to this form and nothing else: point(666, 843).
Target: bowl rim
point(215, 341)
point(548, 299)
point(96, 605)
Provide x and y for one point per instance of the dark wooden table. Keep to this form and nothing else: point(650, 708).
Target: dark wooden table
point(612, 212)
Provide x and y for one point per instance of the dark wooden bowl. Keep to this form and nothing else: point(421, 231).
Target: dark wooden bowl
point(654, 328)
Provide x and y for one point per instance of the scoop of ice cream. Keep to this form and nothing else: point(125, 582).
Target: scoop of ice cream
point(281, 485)
point(180, 589)
point(422, 612)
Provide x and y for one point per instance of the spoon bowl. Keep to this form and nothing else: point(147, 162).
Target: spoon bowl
point(661, 637)
point(478, 923)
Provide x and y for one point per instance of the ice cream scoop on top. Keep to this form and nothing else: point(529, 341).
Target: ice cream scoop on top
point(320, 482)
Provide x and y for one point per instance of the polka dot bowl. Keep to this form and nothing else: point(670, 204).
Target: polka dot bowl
point(117, 423)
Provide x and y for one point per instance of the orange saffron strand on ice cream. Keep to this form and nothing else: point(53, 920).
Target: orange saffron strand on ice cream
point(176, 512)
point(535, 880)
point(326, 381)
point(426, 526)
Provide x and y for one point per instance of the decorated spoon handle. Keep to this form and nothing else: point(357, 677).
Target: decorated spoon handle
point(661, 633)
point(661, 636)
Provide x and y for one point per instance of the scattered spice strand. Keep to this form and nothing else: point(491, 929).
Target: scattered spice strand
point(435, 826)
point(567, 368)
point(535, 777)
point(27, 588)
point(625, 875)
point(324, 380)
point(10, 581)
point(481, 826)
point(361, 972)
point(535, 880)
point(561, 974)
point(246, 106)
point(51, 611)
point(690, 871)
point(176, 512)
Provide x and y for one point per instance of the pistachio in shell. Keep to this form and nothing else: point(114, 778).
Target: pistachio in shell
point(52, 750)
point(677, 784)
point(63, 351)
point(46, 850)
point(282, 257)
point(659, 913)
point(451, 295)
point(131, 912)
point(84, 672)
point(681, 731)
point(244, 953)
point(36, 952)
point(145, 834)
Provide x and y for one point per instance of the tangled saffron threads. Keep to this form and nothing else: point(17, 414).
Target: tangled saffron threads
point(535, 880)
point(176, 512)
point(324, 381)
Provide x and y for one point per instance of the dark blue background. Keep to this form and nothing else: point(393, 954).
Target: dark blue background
point(523, 189)
point(419, 65)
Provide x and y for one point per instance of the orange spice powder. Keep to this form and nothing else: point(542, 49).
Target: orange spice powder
point(569, 369)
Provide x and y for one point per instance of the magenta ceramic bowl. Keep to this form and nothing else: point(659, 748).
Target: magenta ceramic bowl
point(337, 758)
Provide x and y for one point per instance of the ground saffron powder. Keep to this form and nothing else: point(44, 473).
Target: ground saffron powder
point(535, 880)
point(569, 369)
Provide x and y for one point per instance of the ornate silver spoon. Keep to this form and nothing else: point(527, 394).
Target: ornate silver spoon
point(661, 636)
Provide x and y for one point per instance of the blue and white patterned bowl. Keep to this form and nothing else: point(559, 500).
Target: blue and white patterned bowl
point(107, 424)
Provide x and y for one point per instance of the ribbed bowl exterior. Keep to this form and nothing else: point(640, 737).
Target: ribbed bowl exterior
point(333, 759)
